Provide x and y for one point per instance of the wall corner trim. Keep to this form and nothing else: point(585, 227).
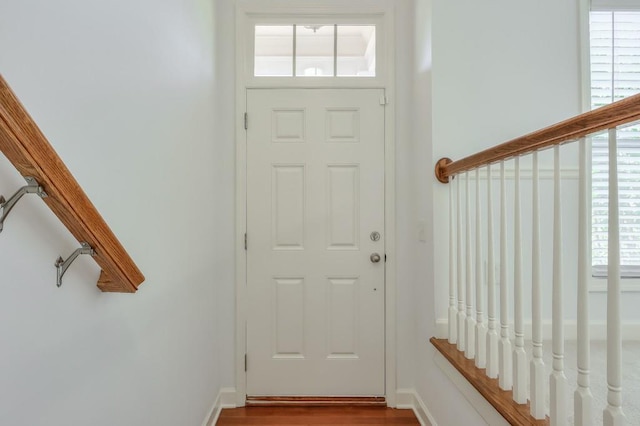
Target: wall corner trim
point(409, 399)
point(226, 399)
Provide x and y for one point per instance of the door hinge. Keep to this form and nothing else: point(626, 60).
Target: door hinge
point(245, 362)
point(245, 240)
point(385, 258)
point(246, 121)
point(384, 100)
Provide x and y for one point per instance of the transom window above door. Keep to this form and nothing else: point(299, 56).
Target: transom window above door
point(314, 50)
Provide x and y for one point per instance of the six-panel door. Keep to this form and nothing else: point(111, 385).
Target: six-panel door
point(315, 199)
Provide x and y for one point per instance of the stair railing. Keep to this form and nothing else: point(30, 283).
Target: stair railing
point(494, 351)
point(28, 150)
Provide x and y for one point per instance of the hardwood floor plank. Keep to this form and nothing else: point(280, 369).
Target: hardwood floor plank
point(317, 416)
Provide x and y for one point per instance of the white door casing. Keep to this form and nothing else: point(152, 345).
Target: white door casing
point(315, 193)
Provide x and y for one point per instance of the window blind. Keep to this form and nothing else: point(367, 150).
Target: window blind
point(610, 5)
point(615, 74)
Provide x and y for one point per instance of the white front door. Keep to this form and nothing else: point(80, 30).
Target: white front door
point(315, 223)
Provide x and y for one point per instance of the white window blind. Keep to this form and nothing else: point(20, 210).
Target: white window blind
point(615, 74)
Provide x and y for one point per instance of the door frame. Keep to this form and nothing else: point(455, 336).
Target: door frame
point(247, 13)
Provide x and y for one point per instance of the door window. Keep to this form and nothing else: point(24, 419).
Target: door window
point(314, 50)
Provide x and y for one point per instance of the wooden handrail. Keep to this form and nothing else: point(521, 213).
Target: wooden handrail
point(621, 112)
point(28, 150)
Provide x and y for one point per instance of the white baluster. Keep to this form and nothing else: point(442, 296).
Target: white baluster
point(492, 334)
point(461, 315)
point(519, 354)
point(470, 326)
point(613, 415)
point(481, 327)
point(504, 346)
point(452, 279)
point(583, 399)
point(538, 379)
point(557, 381)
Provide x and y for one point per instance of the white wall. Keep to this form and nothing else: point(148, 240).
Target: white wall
point(407, 204)
point(126, 92)
point(225, 175)
point(446, 404)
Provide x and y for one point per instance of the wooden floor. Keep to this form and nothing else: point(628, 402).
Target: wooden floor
point(317, 416)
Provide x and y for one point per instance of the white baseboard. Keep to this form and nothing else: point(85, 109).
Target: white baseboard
point(409, 399)
point(226, 399)
point(479, 403)
point(597, 330)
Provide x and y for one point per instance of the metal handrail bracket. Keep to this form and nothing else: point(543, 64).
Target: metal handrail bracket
point(32, 187)
point(62, 265)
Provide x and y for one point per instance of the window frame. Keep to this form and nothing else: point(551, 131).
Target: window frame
point(375, 19)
